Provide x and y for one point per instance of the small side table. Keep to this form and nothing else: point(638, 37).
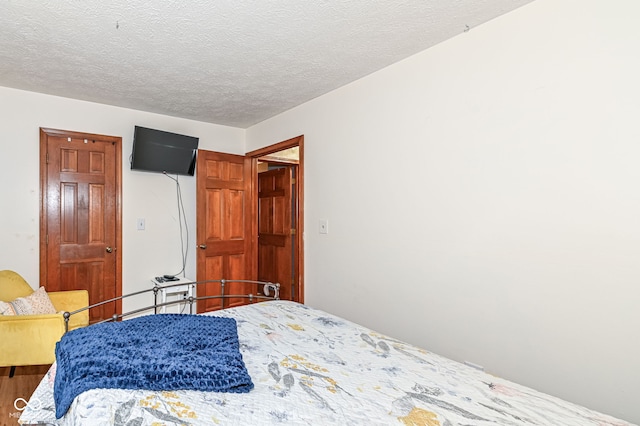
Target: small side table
point(186, 289)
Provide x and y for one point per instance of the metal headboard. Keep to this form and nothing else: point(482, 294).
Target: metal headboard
point(269, 291)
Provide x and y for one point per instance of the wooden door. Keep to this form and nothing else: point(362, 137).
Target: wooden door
point(81, 216)
point(276, 230)
point(270, 155)
point(223, 206)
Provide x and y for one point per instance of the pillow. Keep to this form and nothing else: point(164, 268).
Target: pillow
point(36, 303)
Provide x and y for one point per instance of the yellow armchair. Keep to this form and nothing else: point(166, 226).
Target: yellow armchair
point(31, 339)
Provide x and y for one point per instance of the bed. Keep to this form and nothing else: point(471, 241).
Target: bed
point(309, 367)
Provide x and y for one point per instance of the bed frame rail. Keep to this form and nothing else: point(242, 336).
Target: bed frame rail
point(264, 291)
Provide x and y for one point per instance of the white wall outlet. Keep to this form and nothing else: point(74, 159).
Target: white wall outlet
point(140, 224)
point(324, 226)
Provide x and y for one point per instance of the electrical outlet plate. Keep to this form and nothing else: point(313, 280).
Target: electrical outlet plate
point(140, 224)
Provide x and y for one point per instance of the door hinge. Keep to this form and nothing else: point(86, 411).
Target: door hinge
point(293, 181)
point(293, 231)
point(47, 160)
point(46, 239)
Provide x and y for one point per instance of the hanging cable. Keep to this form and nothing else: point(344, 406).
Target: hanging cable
point(182, 218)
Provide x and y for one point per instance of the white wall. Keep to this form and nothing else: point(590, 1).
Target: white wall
point(146, 254)
point(483, 199)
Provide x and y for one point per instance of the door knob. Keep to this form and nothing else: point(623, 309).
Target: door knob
point(109, 249)
point(202, 246)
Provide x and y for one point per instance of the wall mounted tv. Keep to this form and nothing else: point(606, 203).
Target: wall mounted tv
point(163, 152)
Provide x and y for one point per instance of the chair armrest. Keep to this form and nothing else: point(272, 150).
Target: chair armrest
point(29, 339)
point(70, 301)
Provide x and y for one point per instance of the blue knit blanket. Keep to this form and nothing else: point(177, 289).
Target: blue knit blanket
point(155, 352)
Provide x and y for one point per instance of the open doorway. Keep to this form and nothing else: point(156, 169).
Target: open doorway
point(278, 182)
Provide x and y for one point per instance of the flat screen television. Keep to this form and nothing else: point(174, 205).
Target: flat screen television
point(163, 152)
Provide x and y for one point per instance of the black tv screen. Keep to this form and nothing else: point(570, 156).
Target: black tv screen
point(163, 152)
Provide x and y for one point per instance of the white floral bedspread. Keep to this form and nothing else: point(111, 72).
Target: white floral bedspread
point(313, 368)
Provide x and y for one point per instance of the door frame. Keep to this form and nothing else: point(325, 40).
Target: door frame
point(117, 141)
point(254, 156)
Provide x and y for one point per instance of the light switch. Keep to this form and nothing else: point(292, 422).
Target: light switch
point(324, 226)
point(140, 224)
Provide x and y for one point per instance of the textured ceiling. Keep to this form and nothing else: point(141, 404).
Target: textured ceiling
point(227, 62)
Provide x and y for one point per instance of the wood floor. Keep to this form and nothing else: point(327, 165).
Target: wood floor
point(21, 385)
